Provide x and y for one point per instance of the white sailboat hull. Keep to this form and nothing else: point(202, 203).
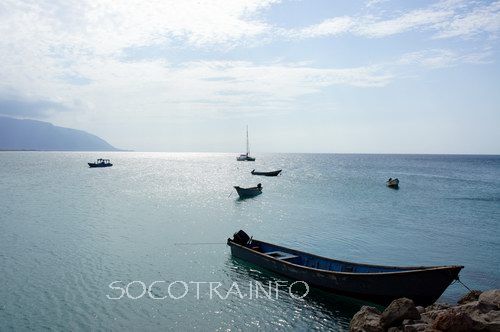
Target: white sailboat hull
point(246, 157)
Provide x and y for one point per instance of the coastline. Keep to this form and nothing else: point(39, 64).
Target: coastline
point(475, 311)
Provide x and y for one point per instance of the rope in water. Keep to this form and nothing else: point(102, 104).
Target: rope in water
point(460, 281)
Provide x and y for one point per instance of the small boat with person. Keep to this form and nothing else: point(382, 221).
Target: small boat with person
point(100, 163)
point(273, 173)
point(392, 183)
point(246, 156)
point(374, 283)
point(249, 192)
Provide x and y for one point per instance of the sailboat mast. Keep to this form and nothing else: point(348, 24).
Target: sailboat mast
point(248, 144)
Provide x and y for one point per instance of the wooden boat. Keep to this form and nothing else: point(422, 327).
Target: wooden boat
point(392, 183)
point(273, 173)
point(373, 283)
point(246, 156)
point(100, 163)
point(249, 192)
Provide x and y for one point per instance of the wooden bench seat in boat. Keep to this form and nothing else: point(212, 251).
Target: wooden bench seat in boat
point(281, 255)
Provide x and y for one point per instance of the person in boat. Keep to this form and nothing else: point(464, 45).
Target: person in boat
point(390, 179)
point(259, 186)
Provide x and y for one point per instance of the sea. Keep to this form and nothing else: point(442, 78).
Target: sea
point(142, 245)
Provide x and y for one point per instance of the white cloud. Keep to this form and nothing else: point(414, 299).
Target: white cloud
point(211, 87)
point(372, 3)
point(442, 58)
point(445, 19)
point(50, 44)
point(47, 45)
point(106, 26)
point(484, 19)
point(330, 27)
point(412, 20)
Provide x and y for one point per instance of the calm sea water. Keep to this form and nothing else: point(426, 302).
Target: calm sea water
point(67, 232)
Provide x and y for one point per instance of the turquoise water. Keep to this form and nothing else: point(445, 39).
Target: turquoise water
point(67, 232)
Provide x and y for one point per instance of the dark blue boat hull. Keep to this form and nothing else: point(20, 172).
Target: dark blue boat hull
point(95, 165)
point(248, 192)
point(273, 173)
point(423, 285)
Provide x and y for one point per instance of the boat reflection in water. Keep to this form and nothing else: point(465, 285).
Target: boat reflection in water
point(318, 309)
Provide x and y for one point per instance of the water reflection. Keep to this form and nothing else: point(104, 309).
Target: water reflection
point(319, 308)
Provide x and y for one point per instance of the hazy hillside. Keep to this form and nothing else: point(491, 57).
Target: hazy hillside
point(18, 134)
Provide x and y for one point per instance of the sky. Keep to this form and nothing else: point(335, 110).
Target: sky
point(374, 76)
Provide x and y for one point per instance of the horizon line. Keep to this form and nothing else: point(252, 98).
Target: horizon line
point(221, 152)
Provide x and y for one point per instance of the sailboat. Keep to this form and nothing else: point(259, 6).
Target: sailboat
point(246, 157)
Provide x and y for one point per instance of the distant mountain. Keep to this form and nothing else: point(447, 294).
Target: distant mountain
point(18, 134)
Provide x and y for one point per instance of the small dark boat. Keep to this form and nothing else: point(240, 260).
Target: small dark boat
point(249, 192)
point(392, 183)
point(100, 163)
point(273, 173)
point(373, 283)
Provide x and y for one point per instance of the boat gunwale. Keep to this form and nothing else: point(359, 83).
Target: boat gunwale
point(249, 188)
point(410, 269)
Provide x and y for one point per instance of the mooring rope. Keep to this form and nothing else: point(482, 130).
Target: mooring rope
point(460, 281)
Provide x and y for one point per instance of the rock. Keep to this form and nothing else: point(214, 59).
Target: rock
point(430, 313)
point(437, 306)
point(415, 327)
point(470, 297)
point(453, 321)
point(489, 321)
point(476, 312)
point(398, 311)
point(490, 299)
point(367, 319)
point(428, 317)
point(394, 329)
point(420, 309)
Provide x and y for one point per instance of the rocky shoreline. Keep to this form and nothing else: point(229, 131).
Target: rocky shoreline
point(475, 311)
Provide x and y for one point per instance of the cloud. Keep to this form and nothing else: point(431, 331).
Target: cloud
point(330, 27)
point(26, 107)
point(214, 87)
point(484, 19)
point(72, 53)
point(445, 19)
point(443, 58)
point(413, 20)
point(372, 3)
point(71, 50)
point(68, 28)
